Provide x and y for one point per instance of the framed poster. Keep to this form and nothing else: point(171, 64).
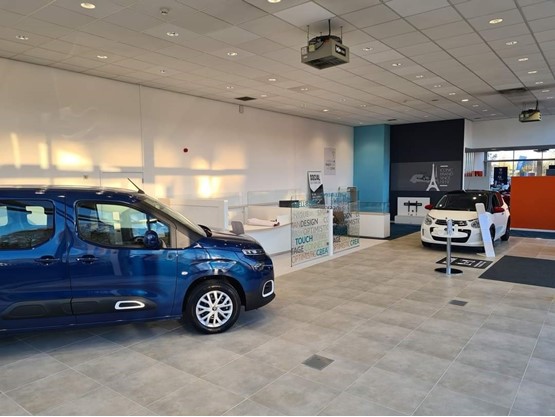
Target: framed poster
point(316, 188)
point(329, 161)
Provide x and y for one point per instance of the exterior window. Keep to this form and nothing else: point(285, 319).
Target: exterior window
point(25, 224)
point(117, 225)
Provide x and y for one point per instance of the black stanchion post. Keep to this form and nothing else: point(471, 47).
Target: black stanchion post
point(448, 270)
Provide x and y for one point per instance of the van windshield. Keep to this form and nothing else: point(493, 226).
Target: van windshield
point(178, 217)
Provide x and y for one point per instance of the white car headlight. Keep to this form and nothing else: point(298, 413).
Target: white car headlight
point(475, 224)
point(428, 220)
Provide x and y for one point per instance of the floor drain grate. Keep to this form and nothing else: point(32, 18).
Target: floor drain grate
point(458, 303)
point(318, 362)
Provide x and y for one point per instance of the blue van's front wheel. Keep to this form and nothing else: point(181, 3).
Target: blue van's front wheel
point(213, 306)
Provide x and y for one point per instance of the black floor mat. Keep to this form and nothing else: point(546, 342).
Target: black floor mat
point(529, 271)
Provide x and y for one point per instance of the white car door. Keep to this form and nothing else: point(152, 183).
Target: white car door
point(499, 217)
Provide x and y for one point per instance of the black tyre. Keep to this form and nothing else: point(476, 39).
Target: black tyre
point(213, 306)
point(426, 244)
point(507, 234)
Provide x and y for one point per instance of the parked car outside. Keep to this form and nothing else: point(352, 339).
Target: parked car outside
point(88, 256)
point(460, 206)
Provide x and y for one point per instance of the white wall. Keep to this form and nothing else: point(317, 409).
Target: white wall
point(59, 127)
point(511, 133)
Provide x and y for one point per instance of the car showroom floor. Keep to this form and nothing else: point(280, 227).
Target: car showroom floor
point(380, 313)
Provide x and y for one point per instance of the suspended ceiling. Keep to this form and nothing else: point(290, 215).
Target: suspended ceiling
point(410, 60)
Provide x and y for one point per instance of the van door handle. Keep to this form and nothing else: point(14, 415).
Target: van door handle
point(46, 260)
point(87, 259)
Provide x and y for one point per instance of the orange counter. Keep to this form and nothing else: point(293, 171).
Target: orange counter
point(533, 203)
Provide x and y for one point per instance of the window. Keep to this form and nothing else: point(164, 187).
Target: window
point(520, 162)
point(25, 224)
point(117, 225)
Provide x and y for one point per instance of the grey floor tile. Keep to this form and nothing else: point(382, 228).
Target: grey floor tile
point(151, 383)
point(121, 363)
point(414, 307)
point(100, 402)
point(84, 351)
point(502, 340)
point(442, 402)
point(527, 314)
point(168, 344)
point(537, 302)
point(414, 364)
point(251, 408)
point(9, 407)
point(493, 359)
point(281, 354)
point(545, 350)
point(313, 336)
point(38, 396)
point(459, 331)
point(391, 390)
point(541, 371)
point(130, 334)
point(47, 341)
point(237, 339)
point(459, 315)
point(513, 326)
point(30, 369)
point(301, 312)
point(13, 350)
point(322, 301)
point(200, 359)
point(293, 395)
point(488, 386)
point(379, 300)
point(441, 346)
point(274, 325)
point(360, 310)
point(400, 318)
point(349, 405)
point(388, 334)
point(547, 333)
point(244, 376)
point(335, 320)
point(536, 399)
point(201, 398)
point(338, 375)
point(358, 349)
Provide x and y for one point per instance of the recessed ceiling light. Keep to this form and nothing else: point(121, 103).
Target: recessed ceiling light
point(102, 56)
point(493, 114)
point(546, 91)
point(343, 100)
point(230, 87)
point(426, 116)
point(437, 85)
point(539, 82)
point(85, 5)
point(162, 71)
point(22, 37)
point(232, 53)
point(549, 98)
point(325, 110)
point(363, 105)
point(272, 79)
point(522, 59)
point(274, 1)
point(263, 95)
point(495, 21)
point(464, 100)
point(532, 72)
point(172, 34)
point(367, 49)
point(304, 89)
point(452, 94)
point(475, 105)
point(485, 110)
point(396, 64)
point(511, 43)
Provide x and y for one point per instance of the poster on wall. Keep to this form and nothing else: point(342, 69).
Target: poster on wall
point(329, 161)
point(316, 188)
point(426, 176)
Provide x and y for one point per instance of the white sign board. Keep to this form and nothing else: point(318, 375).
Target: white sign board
point(484, 228)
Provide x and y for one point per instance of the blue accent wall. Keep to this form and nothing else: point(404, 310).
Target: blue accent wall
point(371, 163)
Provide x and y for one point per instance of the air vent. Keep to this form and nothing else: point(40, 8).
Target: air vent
point(245, 98)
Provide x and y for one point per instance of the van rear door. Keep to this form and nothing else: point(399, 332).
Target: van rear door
point(35, 289)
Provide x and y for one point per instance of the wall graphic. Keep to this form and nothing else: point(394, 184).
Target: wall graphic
point(309, 234)
point(426, 176)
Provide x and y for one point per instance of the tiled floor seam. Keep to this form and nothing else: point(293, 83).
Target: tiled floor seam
point(527, 365)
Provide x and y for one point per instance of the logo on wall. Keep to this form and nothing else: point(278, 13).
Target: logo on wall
point(433, 184)
point(316, 187)
point(426, 176)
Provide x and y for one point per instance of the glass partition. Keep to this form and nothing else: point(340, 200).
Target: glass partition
point(273, 197)
point(310, 237)
point(373, 207)
point(346, 219)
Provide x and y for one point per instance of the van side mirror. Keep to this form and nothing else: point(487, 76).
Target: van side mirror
point(151, 240)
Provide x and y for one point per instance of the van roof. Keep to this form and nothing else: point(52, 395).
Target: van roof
point(49, 189)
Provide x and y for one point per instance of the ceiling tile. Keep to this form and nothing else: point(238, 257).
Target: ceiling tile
point(304, 14)
point(14, 47)
point(40, 27)
point(475, 8)
point(458, 41)
point(408, 39)
point(448, 31)
point(510, 17)
point(388, 29)
point(233, 35)
point(23, 7)
point(411, 7)
point(161, 32)
point(233, 11)
point(266, 25)
point(370, 16)
point(419, 49)
point(273, 7)
point(434, 18)
point(539, 10)
point(133, 20)
point(342, 7)
point(506, 32)
point(103, 8)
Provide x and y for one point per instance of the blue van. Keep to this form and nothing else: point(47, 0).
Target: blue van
point(87, 256)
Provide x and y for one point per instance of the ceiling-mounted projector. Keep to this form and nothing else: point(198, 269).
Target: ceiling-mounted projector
point(530, 115)
point(325, 51)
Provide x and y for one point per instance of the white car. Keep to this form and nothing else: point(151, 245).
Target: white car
point(460, 206)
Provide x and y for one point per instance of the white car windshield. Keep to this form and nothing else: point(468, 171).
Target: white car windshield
point(462, 201)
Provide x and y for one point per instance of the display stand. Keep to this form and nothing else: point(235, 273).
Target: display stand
point(448, 270)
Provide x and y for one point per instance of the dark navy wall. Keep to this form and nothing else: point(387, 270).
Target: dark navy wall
point(425, 142)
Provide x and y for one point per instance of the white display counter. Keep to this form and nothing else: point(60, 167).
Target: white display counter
point(374, 225)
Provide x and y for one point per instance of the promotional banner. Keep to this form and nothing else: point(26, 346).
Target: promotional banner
point(329, 161)
point(426, 176)
point(316, 188)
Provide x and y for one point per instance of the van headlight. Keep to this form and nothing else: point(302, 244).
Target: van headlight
point(253, 252)
point(428, 220)
point(475, 224)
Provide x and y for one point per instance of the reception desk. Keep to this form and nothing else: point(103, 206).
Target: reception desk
point(533, 203)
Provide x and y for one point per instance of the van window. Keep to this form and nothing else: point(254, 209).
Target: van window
point(117, 225)
point(25, 224)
